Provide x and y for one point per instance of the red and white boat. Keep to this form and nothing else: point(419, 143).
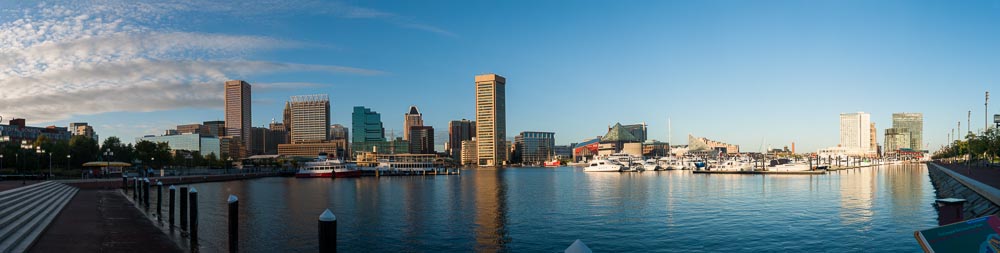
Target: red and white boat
point(323, 167)
point(553, 163)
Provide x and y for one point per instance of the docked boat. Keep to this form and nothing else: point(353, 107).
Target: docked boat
point(399, 163)
point(604, 166)
point(650, 165)
point(553, 163)
point(324, 167)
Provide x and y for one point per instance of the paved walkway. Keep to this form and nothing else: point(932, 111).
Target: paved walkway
point(103, 221)
point(987, 175)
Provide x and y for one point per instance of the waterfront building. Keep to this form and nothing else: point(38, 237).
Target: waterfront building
point(310, 118)
point(534, 147)
point(653, 148)
point(896, 139)
point(339, 132)
point(913, 123)
point(170, 132)
point(459, 131)
point(82, 129)
point(411, 119)
point(614, 141)
point(190, 142)
point(421, 139)
point(266, 140)
point(586, 150)
point(855, 133)
point(491, 119)
point(469, 152)
point(702, 144)
point(873, 138)
point(637, 130)
point(310, 149)
point(367, 130)
point(286, 117)
point(237, 106)
point(215, 128)
point(563, 151)
point(17, 131)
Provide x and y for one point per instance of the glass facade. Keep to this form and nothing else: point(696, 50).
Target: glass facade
point(535, 147)
point(912, 123)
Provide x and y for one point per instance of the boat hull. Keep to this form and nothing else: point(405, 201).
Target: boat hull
point(347, 173)
point(326, 174)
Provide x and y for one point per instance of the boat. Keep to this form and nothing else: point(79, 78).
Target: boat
point(399, 163)
point(553, 163)
point(650, 165)
point(324, 167)
point(604, 166)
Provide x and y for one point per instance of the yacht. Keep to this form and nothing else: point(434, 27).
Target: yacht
point(324, 167)
point(650, 165)
point(604, 166)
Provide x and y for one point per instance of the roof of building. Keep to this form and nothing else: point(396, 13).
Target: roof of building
point(413, 110)
point(619, 133)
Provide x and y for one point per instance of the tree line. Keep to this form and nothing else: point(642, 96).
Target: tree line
point(78, 150)
point(974, 147)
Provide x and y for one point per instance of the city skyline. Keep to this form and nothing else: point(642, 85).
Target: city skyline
point(881, 58)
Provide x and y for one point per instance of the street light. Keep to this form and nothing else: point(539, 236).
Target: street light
point(39, 151)
point(67, 162)
point(107, 160)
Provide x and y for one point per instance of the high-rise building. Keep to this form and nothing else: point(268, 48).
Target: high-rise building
point(535, 147)
point(458, 131)
point(339, 132)
point(491, 120)
point(215, 128)
point(873, 138)
point(469, 153)
point(82, 129)
point(367, 130)
point(411, 119)
point(421, 139)
point(310, 118)
point(896, 138)
point(192, 129)
point(287, 117)
point(913, 123)
point(855, 133)
point(238, 110)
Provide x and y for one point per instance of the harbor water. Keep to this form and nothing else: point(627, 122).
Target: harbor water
point(544, 210)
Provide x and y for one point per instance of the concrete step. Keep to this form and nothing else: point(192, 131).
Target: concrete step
point(30, 203)
point(18, 200)
point(38, 226)
point(4, 195)
point(28, 218)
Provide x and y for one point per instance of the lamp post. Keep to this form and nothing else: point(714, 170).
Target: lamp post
point(107, 160)
point(39, 151)
point(67, 162)
point(151, 161)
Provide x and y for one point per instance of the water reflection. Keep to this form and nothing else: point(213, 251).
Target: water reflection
point(491, 211)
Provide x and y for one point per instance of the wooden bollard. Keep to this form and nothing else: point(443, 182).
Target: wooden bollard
point(234, 223)
point(184, 208)
point(194, 219)
point(170, 209)
point(159, 200)
point(327, 232)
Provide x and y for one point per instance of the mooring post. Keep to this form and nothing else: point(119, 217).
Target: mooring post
point(135, 188)
point(170, 209)
point(234, 223)
point(159, 200)
point(145, 193)
point(194, 218)
point(125, 183)
point(184, 208)
point(327, 232)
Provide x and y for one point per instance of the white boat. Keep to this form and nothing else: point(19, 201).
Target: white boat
point(604, 166)
point(670, 163)
point(650, 165)
point(399, 163)
point(324, 167)
point(730, 165)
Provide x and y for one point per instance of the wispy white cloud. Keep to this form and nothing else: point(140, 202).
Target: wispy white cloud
point(72, 58)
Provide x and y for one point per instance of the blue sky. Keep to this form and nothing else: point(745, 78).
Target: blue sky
point(734, 71)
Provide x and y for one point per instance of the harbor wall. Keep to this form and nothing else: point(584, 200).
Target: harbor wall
point(981, 199)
